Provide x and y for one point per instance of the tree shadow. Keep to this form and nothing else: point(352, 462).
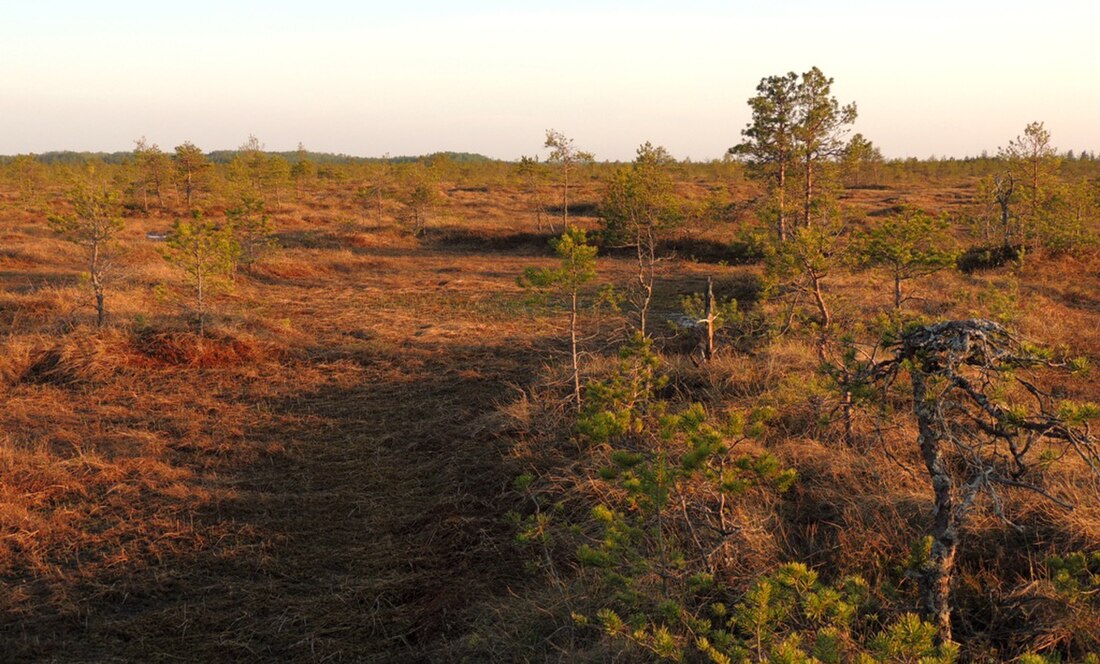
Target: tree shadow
point(452, 239)
point(366, 541)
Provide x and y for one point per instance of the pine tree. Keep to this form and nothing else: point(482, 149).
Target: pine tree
point(860, 155)
point(769, 141)
point(908, 246)
point(578, 267)
point(205, 253)
point(639, 207)
point(94, 224)
point(1032, 167)
point(30, 178)
point(820, 124)
point(648, 545)
point(1034, 162)
point(191, 166)
point(247, 170)
point(153, 167)
point(252, 227)
point(979, 437)
point(304, 170)
point(420, 196)
point(564, 152)
point(532, 174)
point(801, 266)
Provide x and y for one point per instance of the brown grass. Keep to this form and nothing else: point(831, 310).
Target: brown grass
point(324, 476)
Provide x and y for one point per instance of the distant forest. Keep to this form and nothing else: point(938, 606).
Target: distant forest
point(74, 158)
point(71, 157)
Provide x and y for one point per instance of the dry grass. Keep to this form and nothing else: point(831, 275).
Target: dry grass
point(324, 477)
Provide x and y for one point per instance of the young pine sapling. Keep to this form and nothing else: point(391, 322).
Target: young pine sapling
point(578, 267)
point(564, 152)
point(908, 246)
point(252, 228)
point(94, 224)
point(205, 253)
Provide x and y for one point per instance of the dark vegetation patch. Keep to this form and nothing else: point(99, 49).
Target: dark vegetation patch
point(704, 250)
point(534, 243)
point(698, 249)
point(745, 287)
point(976, 259)
point(887, 211)
point(523, 243)
point(578, 208)
point(309, 239)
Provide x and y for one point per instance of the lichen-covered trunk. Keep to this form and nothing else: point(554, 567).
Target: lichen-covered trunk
point(937, 584)
point(95, 273)
point(938, 574)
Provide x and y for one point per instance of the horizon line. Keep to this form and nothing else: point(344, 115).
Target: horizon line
point(92, 154)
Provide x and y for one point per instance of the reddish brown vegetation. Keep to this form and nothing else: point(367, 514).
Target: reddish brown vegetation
point(325, 474)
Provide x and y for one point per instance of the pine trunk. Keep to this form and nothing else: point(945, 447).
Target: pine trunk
point(710, 320)
point(782, 201)
point(573, 349)
point(937, 576)
point(565, 199)
point(809, 192)
point(100, 309)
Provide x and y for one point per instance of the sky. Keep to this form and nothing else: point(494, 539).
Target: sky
point(414, 77)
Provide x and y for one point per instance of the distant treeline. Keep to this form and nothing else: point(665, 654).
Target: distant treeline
point(967, 165)
point(70, 157)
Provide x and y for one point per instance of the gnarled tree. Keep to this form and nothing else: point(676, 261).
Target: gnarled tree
point(983, 429)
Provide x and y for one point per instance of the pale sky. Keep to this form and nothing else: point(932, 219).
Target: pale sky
point(413, 77)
